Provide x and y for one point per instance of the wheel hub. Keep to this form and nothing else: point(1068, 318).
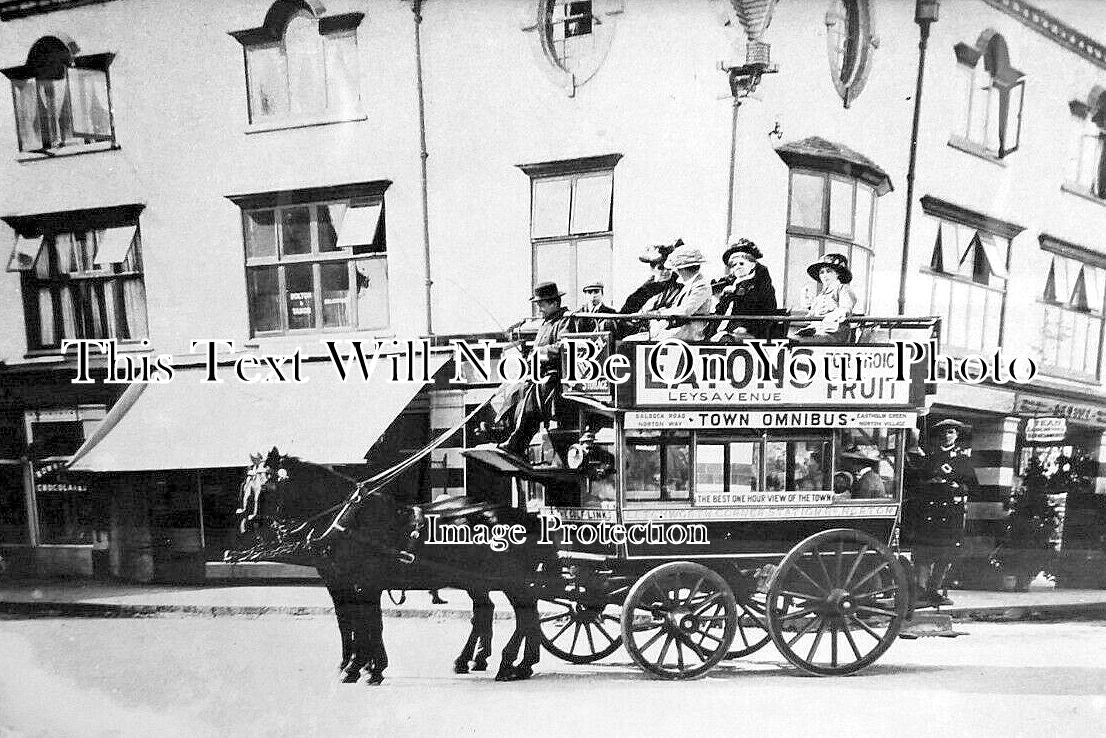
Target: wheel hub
point(839, 602)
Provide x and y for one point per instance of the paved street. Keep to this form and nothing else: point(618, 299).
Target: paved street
point(272, 675)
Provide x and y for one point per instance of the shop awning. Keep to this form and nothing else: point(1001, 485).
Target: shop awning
point(189, 424)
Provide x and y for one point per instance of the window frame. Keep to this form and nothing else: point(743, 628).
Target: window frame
point(828, 241)
point(272, 34)
point(572, 171)
point(62, 52)
point(374, 249)
point(849, 81)
point(989, 56)
point(1094, 315)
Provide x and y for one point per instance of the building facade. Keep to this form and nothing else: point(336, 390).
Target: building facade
point(278, 174)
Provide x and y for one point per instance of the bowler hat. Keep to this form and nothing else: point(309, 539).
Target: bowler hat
point(546, 291)
point(743, 245)
point(946, 424)
point(593, 287)
point(836, 262)
point(684, 257)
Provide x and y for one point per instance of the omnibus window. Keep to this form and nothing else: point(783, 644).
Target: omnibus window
point(658, 468)
point(797, 465)
point(726, 467)
point(866, 463)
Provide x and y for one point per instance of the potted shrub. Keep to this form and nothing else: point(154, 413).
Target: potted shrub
point(1026, 549)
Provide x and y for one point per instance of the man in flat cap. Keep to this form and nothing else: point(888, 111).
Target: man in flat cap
point(593, 303)
point(531, 403)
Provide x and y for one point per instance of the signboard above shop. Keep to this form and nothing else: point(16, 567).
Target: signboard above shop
point(1075, 412)
point(1045, 430)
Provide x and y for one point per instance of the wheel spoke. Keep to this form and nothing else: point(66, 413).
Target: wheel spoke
point(817, 640)
point(804, 630)
point(679, 654)
point(558, 616)
point(798, 614)
point(575, 637)
point(664, 649)
point(877, 592)
point(855, 566)
point(799, 595)
point(833, 644)
point(810, 579)
point(871, 574)
point(591, 641)
point(707, 603)
point(561, 632)
point(865, 626)
point(601, 629)
point(713, 637)
point(694, 648)
point(839, 559)
point(830, 583)
point(852, 643)
point(652, 640)
point(638, 627)
point(694, 591)
point(877, 611)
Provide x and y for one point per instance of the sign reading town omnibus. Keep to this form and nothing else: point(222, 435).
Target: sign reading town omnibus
point(675, 374)
point(738, 419)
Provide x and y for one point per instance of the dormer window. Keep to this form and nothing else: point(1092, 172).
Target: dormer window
point(300, 67)
point(62, 100)
point(1087, 166)
point(991, 93)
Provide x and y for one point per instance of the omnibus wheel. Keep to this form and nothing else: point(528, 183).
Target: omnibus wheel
point(836, 602)
point(679, 620)
point(752, 625)
point(578, 633)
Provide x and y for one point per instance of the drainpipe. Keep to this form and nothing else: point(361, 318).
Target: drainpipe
point(925, 14)
point(416, 7)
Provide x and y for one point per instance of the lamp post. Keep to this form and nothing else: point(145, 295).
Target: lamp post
point(925, 15)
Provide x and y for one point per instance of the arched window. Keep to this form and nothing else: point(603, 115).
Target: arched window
point(1087, 165)
point(850, 41)
point(61, 99)
point(992, 93)
point(300, 65)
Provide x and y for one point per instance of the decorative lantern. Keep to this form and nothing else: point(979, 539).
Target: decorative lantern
point(755, 16)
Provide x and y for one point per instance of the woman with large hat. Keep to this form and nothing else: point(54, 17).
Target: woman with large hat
point(832, 301)
point(694, 297)
point(746, 290)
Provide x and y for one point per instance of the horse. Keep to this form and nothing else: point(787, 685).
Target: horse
point(365, 542)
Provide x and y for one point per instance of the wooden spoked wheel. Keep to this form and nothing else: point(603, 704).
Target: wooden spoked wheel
point(679, 620)
point(577, 632)
point(752, 625)
point(836, 602)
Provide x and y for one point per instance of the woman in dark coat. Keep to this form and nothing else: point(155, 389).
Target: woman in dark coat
point(746, 290)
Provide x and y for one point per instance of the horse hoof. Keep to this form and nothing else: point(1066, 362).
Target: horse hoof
point(460, 667)
point(479, 665)
point(375, 680)
point(514, 674)
point(349, 677)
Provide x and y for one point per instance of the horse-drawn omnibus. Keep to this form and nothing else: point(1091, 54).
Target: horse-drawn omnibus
point(703, 500)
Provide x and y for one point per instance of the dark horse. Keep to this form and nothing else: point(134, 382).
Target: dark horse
point(303, 514)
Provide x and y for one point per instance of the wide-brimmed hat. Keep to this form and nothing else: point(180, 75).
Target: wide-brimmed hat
point(744, 246)
point(593, 287)
point(659, 252)
point(546, 291)
point(857, 455)
point(836, 262)
point(685, 256)
point(946, 424)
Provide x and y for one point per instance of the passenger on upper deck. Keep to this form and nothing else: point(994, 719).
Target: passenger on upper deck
point(746, 290)
point(694, 297)
point(531, 403)
point(832, 301)
point(660, 280)
point(593, 294)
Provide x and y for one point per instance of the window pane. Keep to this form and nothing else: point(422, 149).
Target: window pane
point(860, 262)
point(553, 262)
point(13, 507)
point(977, 317)
point(372, 293)
point(775, 466)
point(46, 335)
point(264, 297)
point(296, 230)
point(299, 282)
point(335, 279)
point(744, 467)
point(134, 304)
point(304, 49)
point(342, 94)
point(591, 207)
point(26, 114)
point(88, 94)
point(550, 207)
point(864, 202)
point(268, 81)
point(54, 111)
point(841, 208)
point(261, 233)
point(994, 117)
point(957, 317)
point(330, 224)
point(710, 466)
point(981, 102)
point(806, 200)
point(868, 459)
point(801, 253)
point(643, 472)
point(593, 263)
point(68, 314)
point(677, 471)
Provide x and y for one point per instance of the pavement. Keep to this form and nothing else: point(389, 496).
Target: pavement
point(88, 598)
